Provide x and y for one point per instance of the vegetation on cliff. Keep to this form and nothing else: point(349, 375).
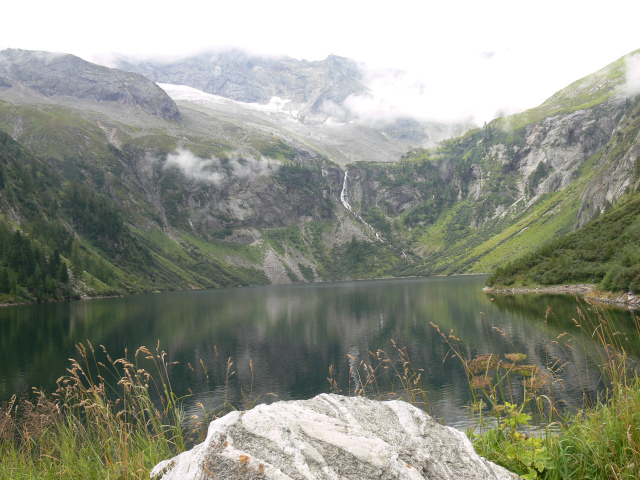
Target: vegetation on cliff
point(60, 239)
point(605, 251)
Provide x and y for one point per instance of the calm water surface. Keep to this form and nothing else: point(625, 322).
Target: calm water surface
point(294, 333)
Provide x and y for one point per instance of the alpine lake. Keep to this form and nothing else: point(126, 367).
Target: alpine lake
point(283, 339)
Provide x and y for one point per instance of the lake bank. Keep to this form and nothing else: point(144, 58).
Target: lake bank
point(585, 290)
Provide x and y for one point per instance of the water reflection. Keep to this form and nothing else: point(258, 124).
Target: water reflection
point(293, 334)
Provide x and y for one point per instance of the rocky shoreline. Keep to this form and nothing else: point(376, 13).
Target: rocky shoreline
point(585, 290)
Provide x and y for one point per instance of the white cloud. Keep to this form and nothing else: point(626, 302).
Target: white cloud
point(474, 58)
point(194, 167)
point(215, 171)
point(632, 73)
point(246, 166)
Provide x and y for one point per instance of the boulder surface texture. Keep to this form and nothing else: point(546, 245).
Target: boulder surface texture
point(331, 437)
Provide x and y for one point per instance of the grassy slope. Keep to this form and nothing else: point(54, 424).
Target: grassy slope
point(35, 194)
point(605, 250)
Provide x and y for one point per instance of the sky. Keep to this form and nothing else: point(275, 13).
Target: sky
point(461, 59)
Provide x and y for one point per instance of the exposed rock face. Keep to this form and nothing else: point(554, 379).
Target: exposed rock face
point(331, 437)
point(317, 99)
point(310, 87)
point(618, 166)
point(56, 74)
point(547, 158)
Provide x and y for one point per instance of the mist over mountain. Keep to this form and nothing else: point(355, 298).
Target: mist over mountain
point(239, 170)
point(309, 87)
point(317, 94)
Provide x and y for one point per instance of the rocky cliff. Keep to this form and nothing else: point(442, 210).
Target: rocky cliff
point(56, 74)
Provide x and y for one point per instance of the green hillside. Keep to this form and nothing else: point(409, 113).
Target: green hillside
point(61, 239)
point(605, 251)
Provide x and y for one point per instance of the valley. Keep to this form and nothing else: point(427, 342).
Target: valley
point(236, 171)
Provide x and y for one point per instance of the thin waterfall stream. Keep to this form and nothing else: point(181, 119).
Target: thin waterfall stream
point(346, 204)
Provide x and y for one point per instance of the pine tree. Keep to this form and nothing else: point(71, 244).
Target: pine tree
point(5, 283)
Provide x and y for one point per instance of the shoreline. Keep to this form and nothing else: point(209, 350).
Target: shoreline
point(585, 290)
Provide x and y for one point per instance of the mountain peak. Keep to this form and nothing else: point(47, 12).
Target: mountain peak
point(60, 74)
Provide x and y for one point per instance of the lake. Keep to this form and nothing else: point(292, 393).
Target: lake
point(292, 334)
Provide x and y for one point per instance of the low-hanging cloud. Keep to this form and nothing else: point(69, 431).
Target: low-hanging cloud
point(631, 85)
point(394, 94)
point(477, 87)
point(215, 171)
point(194, 167)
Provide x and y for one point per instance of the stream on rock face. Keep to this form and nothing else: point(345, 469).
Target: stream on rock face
point(343, 199)
point(293, 333)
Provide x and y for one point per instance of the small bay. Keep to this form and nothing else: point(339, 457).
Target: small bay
point(292, 334)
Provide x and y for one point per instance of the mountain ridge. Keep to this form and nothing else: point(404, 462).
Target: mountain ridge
point(58, 74)
point(230, 196)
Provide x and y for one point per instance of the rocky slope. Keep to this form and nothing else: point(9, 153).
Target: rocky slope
point(54, 74)
point(494, 193)
point(313, 99)
point(310, 88)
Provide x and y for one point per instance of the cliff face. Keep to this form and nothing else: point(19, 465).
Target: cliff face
point(618, 169)
point(516, 165)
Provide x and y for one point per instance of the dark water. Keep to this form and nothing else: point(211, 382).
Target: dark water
point(293, 334)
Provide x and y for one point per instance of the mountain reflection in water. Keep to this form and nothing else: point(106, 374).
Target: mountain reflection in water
point(294, 333)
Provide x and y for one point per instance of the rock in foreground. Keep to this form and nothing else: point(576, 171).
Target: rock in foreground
point(331, 437)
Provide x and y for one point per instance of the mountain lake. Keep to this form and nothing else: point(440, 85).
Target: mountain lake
point(283, 339)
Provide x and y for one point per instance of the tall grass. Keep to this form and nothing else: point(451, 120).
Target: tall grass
point(517, 417)
point(599, 440)
point(111, 420)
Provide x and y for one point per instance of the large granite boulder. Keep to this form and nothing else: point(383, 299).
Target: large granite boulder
point(331, 437)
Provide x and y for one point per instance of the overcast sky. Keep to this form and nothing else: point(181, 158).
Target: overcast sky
point(461, 58)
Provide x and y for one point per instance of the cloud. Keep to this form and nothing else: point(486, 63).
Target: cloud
point(632, 76)
point(194, 167)
point(215, 171)
point(473, 86)
point(245, 166)
point(394, 94)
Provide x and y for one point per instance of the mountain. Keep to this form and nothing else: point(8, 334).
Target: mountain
point(494, 193)
point(605, 251)
point(233, 192)
point(314, 101)
point(310, 88)
point(63, 75)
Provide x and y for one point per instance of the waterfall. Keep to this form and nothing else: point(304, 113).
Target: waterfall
point(348, 207)
point(343, 199)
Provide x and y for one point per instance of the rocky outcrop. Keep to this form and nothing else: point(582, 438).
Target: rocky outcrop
point(618, 169)
point(331, 437)
point(57, 74)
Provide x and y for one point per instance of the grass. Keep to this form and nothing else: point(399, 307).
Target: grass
point(517, 420)
point(116, 419)
point(599, 441)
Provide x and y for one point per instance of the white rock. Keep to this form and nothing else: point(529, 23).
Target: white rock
point(331, 437)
